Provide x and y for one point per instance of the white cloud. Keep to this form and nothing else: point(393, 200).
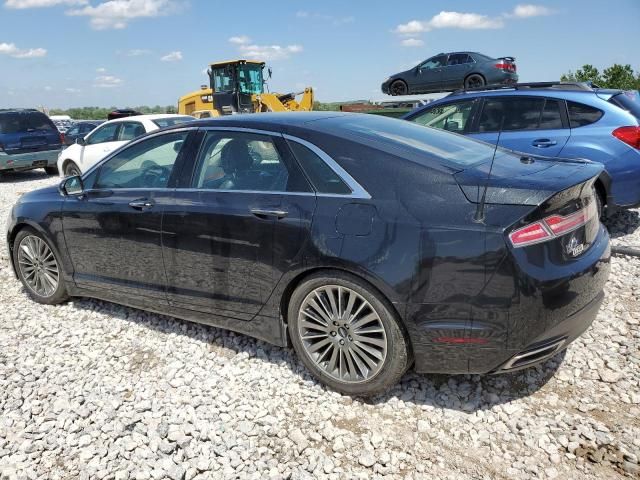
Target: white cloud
point(444, 19)
point(72, 90)
point(116, 14)
point(336, 21)
point(172, 57)
point(240, 40)
point(101, 70)
point(107, 81)
point(137, 52)
point(15, 52)
point(269, 52)
point(412, 42)
point(48, 88)
point(529, 10)
point(21, 4)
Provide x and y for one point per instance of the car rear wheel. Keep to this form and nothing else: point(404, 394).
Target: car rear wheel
point(51, 170)
point(347, 335)
point(38, 268)
point(398, 88)
point(71, 169)
point(474, 81)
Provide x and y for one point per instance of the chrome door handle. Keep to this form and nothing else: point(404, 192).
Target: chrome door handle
point(141, 204)
point(266, 212)
point(543, 142)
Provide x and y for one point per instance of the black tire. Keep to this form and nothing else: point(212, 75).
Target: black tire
point(57, 295)
point(397, 357)
point(71, 169)
point(398, 87)
point(51, 170)
point(599, 203)
point(475, 80)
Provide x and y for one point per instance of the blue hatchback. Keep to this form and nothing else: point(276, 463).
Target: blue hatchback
point(555, 120)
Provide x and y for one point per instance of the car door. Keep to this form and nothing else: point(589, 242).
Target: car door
point(428, 75)
point(99, 144)
point(113, 229)
point(457, 68)
point(245, 205)
point(534, 125)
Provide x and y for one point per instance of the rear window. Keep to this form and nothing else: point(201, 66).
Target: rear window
point(16, 122)
point(399, 134)
point(629, 101)
point(581, 115)
point(171, 121)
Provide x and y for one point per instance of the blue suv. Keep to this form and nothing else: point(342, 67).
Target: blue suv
point(28, 139)
point(568, 120)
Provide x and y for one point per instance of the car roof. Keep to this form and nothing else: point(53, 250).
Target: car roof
point(150, 117)
point(19, 110)
point(282, 119)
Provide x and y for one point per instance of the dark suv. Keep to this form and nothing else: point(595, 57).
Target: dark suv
point(28, 140)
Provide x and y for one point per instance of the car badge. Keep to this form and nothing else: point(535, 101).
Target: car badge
point(574, 248)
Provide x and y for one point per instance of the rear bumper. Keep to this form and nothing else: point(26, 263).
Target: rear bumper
point(554, 340)
point(26, 161)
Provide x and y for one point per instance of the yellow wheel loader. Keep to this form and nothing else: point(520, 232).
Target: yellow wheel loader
point(237, 86)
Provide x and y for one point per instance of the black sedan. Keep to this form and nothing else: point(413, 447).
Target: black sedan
point(80, 130)
point(365, 242)
point(451, 71)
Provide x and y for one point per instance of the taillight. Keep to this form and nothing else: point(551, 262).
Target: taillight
point(1, 148)
point(507, 67)
point(62, 138)
point(629, 135)
point(553, 226)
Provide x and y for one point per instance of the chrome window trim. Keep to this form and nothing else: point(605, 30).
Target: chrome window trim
point(357, 190)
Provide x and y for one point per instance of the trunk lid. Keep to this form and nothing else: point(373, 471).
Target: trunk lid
point(524, 180)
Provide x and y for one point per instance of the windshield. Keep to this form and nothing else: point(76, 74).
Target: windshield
point(250, 79)
point(170, 121)
point(448, 147)
point(629, 101)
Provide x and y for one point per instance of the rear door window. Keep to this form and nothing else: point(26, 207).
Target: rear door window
point(520, 113)
point(130, 130)
point(452, 117)
point(581, 115)
point(459, 59)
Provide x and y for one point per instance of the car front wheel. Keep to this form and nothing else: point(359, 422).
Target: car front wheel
point(347, 335)
point(398, 88)
point(38, 268)
point(71, 169)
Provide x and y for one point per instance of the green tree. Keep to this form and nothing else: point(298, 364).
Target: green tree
point(620, 76)
point(588, 73)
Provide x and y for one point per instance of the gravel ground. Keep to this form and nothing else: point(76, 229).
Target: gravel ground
point(93, 390)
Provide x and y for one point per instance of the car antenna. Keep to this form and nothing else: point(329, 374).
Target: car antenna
point(478, 217)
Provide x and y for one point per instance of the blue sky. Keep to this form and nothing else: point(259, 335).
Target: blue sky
point(63, 53)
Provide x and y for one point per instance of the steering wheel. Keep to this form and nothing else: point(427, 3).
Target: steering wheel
point(153, 175)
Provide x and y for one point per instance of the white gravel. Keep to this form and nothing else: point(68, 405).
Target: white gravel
point(94, 390)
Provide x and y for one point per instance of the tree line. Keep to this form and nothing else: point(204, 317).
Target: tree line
point(616, 76)
point(100, 113)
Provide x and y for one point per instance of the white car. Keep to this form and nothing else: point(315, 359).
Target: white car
point(104, 139)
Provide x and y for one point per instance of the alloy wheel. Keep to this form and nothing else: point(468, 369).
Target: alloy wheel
point(342, 333)
point(38, 266)
point(398, 88)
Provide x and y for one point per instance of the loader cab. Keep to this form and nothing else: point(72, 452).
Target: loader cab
point(234, 84)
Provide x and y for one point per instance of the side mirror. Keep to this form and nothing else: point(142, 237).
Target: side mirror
point(71, 186)
point(80, 141)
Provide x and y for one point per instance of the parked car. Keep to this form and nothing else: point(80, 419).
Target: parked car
point(349, 235)
point(80, 130)
point(28, 140)
point(554, 119)
point(62, 122)
point(450, 71)
point(122, 113)
point(83, 154)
